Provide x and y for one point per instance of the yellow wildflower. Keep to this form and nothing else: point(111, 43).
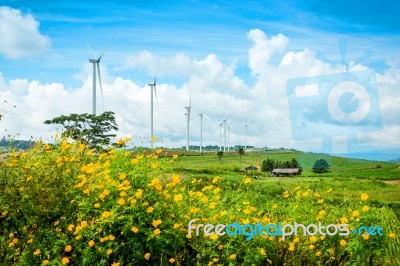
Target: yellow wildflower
point(147, 256)
point(364, 196)
point(91, 243)
point(68, 248)
point(65, 260)
point(134, 229)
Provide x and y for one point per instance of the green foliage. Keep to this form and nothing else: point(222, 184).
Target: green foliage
point(320, 166)
point(269, 164)
point(220, 154)
point(241, 153)
point(89, 129)
point(64, 203)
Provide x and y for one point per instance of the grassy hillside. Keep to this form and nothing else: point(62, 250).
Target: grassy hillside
point(347, 177)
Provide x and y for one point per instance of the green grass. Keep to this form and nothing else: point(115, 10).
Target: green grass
point(347, 177)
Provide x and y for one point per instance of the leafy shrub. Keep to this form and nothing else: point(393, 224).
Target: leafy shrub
point(320, 166)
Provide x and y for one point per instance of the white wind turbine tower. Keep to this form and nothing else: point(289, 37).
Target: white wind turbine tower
point(201, 129)
point(188, 122)
point(225, 121)
point(229, 137)
point(220, 135)
point(245, 134)
point(152, 87)
point(96, 64)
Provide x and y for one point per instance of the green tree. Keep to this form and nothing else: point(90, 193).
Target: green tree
point(220, 154)
point(89, 129)
point(241, 152)
point(320, 166)
point(268, 165)
point(295, 164)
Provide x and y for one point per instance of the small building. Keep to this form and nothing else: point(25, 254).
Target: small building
point(285, 172)
point(249, 168)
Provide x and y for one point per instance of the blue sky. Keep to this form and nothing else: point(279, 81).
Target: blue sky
point(178, 38)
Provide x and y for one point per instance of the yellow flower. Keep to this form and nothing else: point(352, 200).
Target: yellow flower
point(318, 253)
point(291, 246)
point(68, 248)
point(134, 229)
point(65, 260)
point(392, 235)
point(139, 193)
point(156, 222)
point(356, 213)
point(365, 236)
point(320, 201)
point(262, 252)
point(135, 161)
point(115, 264)
point(364, 196)
point(311, 247)
point(122, 176)
point(247, 180)
point(97, 205)
point(176, 225)
point(313, 239)
point(84, 224)
point(274, 206)
point(344, 220)
point(45, 262)
point(171, 260)
point(329, 190)
point(365, 208)
point(91, 243)
point(157, 231)
point(15, 240)
point(121, 201)
point(150, 210)
point(147, 256)
point(214, 236)
point(111, 237)
point(11, 235)
point(220, 247)
point(343, 242)
point(37, 252)
point(158, 151)
point(233, 256)
point(154, 165)
point(30, 241)
point(175, 156)
point(215, 179)
point(178, 197)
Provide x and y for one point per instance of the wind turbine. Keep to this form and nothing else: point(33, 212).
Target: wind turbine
point(225, 120)
point(152, 87)
point(201, 129)
point(245, 133)
point(188, 122)
point(229, 138)
point(96, 64)
point(220, 135)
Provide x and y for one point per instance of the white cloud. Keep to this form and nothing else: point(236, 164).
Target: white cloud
point(20, 36)
point(213, 85)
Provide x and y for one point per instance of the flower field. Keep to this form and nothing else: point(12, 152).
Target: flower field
point(67, 205)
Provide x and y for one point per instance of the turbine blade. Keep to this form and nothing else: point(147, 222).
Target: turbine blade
point(105, 48)
point(90, 49)
point(101, 87)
